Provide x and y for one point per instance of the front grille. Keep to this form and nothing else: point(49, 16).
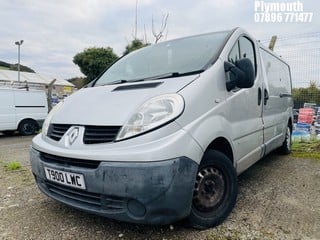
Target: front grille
point(56, 131)
point(112, 203)
point(100, 134)
point(92, 134)
point(65, 161)
point(90, 200)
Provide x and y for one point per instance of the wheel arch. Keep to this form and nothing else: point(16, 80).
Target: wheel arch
point(222, 145)
point(290, 124)
point(28, 119)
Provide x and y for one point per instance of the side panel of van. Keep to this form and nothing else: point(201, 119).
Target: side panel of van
point(277, 97)
point(30, 105)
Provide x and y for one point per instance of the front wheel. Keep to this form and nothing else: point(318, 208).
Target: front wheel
point(215, 191)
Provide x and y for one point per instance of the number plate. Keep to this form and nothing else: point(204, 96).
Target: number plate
point(75, 180)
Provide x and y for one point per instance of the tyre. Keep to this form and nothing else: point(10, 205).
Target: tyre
point(215, 191)
point(27, 127)
point(286, 146)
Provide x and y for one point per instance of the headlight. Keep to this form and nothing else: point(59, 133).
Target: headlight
point(46, 124)
point(152, 114)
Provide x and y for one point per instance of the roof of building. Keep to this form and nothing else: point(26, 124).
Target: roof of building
point(9, 75)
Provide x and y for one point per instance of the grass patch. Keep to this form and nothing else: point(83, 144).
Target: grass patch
point(14, 165)
point(306, 149)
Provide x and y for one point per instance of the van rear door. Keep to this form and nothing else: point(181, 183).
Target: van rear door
point(7, 110)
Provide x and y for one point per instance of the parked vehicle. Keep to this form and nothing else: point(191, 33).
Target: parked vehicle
point(54, 100)
point(162, 134)
point(22, 110)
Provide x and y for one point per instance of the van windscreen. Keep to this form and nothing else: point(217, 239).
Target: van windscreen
point(166, 59)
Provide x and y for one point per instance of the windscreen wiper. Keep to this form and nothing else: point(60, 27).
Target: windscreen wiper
point(173, 74)
point(120, 81)
point(160, 76)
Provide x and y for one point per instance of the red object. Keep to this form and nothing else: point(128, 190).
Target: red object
point(305, 115)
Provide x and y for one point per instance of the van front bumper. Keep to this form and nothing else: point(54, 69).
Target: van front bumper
point(140, 192)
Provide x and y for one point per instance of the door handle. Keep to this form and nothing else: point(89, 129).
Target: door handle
point(259, 96)
point(266, 97)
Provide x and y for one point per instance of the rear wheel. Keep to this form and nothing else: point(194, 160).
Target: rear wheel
point(286, 146)
point(27, 127)
point(215, 191)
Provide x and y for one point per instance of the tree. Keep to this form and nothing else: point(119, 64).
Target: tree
point(78, 82)
point(14, 67)
point(92, 61)
point(22, 68)
point(158, 35)
point(134, 45)
point(310, 94)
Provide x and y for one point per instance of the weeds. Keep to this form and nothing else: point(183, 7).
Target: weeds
point(306, 149)
point(14, 165)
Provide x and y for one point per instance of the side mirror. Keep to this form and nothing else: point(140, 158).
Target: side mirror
point(241, 74)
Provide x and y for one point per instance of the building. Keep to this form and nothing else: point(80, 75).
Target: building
point(61, 88)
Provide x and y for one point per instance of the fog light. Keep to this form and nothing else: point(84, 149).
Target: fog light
point(136, 208)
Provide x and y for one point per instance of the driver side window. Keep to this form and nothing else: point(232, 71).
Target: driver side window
point(234, 54)
point(243, 48)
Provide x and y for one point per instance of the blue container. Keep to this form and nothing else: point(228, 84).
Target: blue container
point(303, 126)
point(300, 134)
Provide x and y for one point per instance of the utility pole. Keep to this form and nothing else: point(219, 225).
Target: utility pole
point(19, 43)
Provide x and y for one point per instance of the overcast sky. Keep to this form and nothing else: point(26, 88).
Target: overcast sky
point(55, 30)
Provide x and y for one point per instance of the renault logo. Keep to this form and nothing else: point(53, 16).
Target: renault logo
point(72, 135)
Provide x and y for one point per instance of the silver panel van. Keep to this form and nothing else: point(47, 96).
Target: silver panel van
point(163, 133)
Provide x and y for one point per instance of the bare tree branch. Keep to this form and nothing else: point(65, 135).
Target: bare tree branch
point(145, 34)
point(135, 30)
point(164, 22)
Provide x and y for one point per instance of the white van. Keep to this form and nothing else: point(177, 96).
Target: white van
point(162, 134)
point(22, 110)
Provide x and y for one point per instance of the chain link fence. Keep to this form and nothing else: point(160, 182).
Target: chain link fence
point(302, 53)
